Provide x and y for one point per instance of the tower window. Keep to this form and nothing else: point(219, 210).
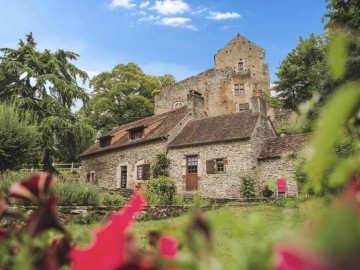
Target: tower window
point(241, 65)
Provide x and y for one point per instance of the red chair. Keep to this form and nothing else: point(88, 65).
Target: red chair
point(281, 186)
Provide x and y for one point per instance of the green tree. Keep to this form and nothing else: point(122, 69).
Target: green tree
point(19, 140)
point(123, 95)
point(301, 72)
point(45, 84)
point(343, 14)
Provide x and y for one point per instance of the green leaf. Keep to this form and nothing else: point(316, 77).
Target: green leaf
point(337, 56)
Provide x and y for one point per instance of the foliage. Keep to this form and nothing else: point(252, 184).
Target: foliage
point(80, 194)
point(343, 14)
point(273, 101)
point(160, 191)
point(198, 201)
point(45, 84)
point(247, 186)
point(161, 165)
point(7, 178)
point(123, 95)
point(20, 141)
point(108, 199)
point(299, 73)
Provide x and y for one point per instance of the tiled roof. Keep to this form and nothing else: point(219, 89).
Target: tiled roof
point(219, 128)
point(278, 146)
point(156, 127)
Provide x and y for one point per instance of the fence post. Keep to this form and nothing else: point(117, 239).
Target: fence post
point(72, 165)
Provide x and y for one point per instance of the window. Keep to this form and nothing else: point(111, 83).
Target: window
point(239, 90)
point(105, 141)
point(241, 65)
point(236, 89)
point(143, 172)
point(217, 165)
point(178, 105)
point(90, 177)
point(136, 133)
point(192, 163)
point(243, 107)
point(242, 90)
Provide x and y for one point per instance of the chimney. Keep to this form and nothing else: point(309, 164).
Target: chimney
point(195, 101)
point(258, 105)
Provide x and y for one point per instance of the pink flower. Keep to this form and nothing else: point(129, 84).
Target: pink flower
point(34, 189)
point(108, 248)
point(169, 246)
point(168, 185)
point(292, 257)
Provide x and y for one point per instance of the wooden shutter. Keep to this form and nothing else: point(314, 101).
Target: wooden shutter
point(146, 172)
point(210, 166)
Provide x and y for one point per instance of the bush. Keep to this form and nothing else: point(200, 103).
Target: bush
point(7, 178)
point(198, 201)
point(247, 187)
point(107, 199)
point(81, 194)
point(160, 167)
point(160, 191)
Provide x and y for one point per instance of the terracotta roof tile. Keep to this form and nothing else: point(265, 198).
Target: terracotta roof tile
point(278, 146)
point(158, 126)
point(219, 128)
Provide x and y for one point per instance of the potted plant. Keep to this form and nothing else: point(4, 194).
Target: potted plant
point(266, 191)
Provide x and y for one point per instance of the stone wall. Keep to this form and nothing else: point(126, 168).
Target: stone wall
point(107, 166)
point(217, 84)
point(274, 168)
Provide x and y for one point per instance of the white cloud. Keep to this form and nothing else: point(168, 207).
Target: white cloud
point(150, 18)
point(223, 16)
point(144, 4)
point(170, 7)
point(198, 11)
point(177, 22)
point(122, 3)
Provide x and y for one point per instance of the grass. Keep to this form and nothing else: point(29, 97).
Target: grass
point(237, 231)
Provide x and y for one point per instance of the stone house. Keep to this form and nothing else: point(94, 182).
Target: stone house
point(213, 127)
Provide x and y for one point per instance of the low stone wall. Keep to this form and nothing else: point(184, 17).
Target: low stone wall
point(88, 214)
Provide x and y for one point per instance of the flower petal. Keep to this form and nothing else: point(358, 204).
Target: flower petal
point(107, 250)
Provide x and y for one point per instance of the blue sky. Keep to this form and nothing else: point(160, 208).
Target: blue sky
point(179, 37)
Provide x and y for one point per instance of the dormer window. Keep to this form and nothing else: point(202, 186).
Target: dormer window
point(136, 133)
point(105, 141)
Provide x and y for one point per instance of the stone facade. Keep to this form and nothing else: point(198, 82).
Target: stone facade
point(239, 157)
point(107, 167)
point(217, 85)
point(275, 168)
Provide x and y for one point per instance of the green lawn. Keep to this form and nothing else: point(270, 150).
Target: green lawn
point(238, 231)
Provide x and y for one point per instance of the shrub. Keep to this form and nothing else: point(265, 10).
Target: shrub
point(160, 191)
point(198, 201)
point(82, 194)
point(247, 187)
point(160, 167)
point(107, 199)
point(7, 178)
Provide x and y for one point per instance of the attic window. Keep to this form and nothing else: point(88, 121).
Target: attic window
point(243, 107)
point(105, 141)
point(136, 133)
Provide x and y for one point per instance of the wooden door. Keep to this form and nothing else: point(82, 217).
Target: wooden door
point(123, 177)
point(191, 173)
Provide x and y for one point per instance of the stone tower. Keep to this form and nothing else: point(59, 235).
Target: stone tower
point(239, 74)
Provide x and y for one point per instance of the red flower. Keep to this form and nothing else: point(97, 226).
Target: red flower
point(107, 250)
point(169, 246)
point(34, 189)
point(351, 195)
point(291, 257)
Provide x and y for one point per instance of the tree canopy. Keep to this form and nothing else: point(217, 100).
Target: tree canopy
point(123, 95)
point(46, 84)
